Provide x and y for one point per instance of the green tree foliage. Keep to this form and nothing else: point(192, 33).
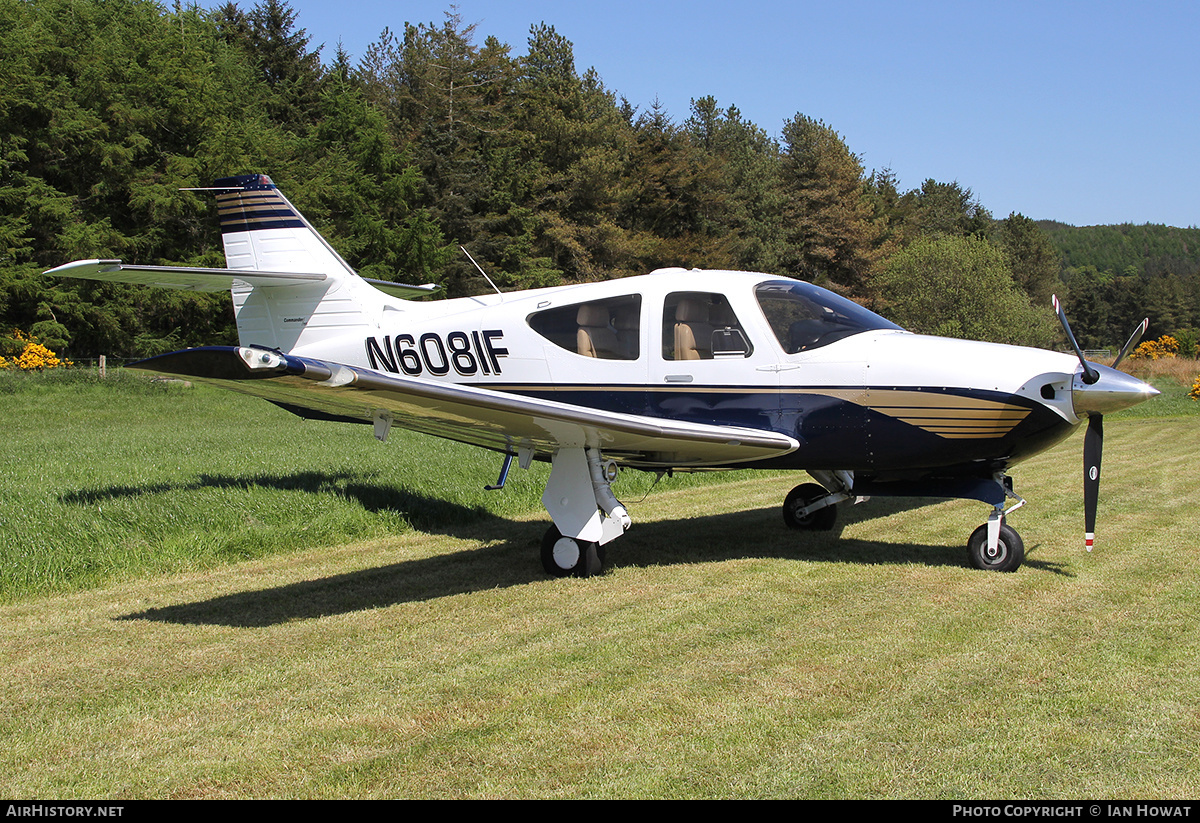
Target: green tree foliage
point(110, 108)
point(831, 232)
point(958, 286)
point(1147, 249)
point(1129, 272)
point(746, 196)
point(1032, 259)
point(1087, 305)
point(278, 51)
point(947, 209)
point(434, 141)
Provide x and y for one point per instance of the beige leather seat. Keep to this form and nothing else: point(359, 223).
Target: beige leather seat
point(595, 338)
point(693, 331)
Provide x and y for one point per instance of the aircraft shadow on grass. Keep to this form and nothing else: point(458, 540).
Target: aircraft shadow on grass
point(509, 561)
point(423, 512)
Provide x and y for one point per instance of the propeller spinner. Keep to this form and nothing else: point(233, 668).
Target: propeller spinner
point(1096, 390)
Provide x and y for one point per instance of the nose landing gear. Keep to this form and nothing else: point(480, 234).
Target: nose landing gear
point(994, 546)
point(1005, 556)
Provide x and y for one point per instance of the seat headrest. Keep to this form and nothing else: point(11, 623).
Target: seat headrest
point(592, 314)
point(691, 310)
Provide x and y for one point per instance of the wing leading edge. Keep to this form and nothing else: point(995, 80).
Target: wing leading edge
point(490, 419)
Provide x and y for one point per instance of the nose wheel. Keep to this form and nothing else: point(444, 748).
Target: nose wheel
point(1006, 556)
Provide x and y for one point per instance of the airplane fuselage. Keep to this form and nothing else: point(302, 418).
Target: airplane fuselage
point(867, 397)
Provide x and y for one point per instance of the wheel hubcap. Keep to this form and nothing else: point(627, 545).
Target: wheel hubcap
point(997, 554)
point(566, 553)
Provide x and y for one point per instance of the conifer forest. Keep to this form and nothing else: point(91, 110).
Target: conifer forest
point(442, 137)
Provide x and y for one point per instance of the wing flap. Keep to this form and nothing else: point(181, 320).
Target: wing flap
point(483, 417)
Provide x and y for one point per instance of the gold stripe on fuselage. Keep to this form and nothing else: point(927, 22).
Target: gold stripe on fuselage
point(947, 415)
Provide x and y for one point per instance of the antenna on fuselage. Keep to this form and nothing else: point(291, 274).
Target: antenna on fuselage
point(481, 271)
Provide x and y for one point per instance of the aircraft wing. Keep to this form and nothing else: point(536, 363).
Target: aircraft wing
point(483, 417)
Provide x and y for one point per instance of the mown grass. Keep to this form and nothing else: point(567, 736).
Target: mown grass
point(104, 480)
point(721, 655)
point(1174, 377)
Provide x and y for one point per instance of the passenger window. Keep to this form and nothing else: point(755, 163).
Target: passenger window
point(605, 329)
point(701, 326)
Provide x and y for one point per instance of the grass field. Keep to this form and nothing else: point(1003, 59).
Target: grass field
point(205, 597)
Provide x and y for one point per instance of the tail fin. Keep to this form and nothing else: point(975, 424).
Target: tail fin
point(263, 231)
point(290, 288)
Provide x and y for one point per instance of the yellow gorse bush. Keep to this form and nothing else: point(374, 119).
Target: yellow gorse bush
point(1195, 392)
point(33, 356)
point(1165, 346)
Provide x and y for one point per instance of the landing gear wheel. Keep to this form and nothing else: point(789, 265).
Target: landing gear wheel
point(1010, 550)
point(562, 556)
point(821, 520)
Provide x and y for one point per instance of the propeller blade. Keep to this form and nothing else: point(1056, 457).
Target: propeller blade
point(1093, 448)
point(1090, 375)
point(1133, 341)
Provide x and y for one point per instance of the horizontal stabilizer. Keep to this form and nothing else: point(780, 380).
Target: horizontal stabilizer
point(403, 290)
point(200, 279)
point(181, 277)
point(483, 417)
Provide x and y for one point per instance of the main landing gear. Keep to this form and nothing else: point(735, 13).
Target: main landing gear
point(994, 546)
point(565, 556)
point(586, 513)
point(812, 506)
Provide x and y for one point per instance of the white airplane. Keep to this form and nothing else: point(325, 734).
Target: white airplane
point(674, 370)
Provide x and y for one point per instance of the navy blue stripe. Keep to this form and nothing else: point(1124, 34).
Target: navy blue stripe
point(833, 433)
point(230, 226)
point(265, 210)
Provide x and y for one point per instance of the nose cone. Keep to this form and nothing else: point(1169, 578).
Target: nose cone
point(1115, 390)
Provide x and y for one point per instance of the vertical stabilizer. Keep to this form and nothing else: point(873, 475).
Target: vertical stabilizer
point(263, 231)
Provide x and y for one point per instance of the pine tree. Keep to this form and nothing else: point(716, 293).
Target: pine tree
point(830, 225)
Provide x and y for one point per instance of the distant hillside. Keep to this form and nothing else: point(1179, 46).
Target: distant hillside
point(1148, 249)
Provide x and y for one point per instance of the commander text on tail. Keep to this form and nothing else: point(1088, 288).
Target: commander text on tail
point(675, 370)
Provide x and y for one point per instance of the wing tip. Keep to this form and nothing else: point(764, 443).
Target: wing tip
point(96, 264)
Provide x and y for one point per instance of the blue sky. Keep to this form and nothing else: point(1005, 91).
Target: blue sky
point(1084, 112)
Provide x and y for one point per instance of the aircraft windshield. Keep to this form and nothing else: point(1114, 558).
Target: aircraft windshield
point(804, 316)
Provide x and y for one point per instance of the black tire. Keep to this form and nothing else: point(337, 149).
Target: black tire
point(563, 556)
point(821, 520)
point(1010, 550)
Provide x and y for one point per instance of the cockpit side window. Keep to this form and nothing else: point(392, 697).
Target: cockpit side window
point(701, 326)
point(804, 316)
point(606, 329)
